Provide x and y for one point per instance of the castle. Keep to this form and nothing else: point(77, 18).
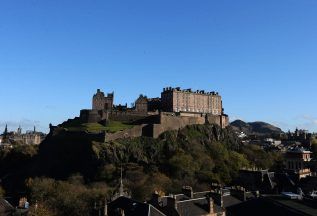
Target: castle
point(175, 109)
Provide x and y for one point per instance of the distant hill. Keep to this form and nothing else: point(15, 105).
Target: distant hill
point(257, 128)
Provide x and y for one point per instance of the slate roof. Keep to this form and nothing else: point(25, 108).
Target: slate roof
point(230, 201)
point(5, 208)
point(132, 208)
point(197, 206)
point(271, 206)
point(193, 207)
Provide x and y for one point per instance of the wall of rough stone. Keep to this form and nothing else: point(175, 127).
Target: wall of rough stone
point(154, 126)
point(213, 119)
point(168, 122)
point(126, 116)
point(90, 116)
point(224, 121)
point(136, 131)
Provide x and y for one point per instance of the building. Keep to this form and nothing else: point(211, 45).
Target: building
point(274, 206)
point(100, 102)
point(31, 137)
point(127, 206)
point(297, 162)
point(141, 104)
point(177, 100)
point(122, 204)
point(172, 100)
point(6, 209)
point(256, 180)
point(174, 110)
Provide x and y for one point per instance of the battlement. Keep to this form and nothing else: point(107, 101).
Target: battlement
point(175, 100)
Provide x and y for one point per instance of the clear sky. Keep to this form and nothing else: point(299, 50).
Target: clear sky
point(261, 56)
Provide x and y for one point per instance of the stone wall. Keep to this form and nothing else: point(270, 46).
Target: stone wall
point(213, 119)
point(221, 120)
point(128, 116)
point(90, 116)
point(136, 131)
point(154, 126)
point(169, 122)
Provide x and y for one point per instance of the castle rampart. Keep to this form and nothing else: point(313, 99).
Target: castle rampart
point(174, 110)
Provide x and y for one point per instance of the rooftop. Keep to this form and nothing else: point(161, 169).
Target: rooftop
point(273, 205)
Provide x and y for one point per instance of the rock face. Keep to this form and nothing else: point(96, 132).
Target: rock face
point(257, 128)
point(64, 152)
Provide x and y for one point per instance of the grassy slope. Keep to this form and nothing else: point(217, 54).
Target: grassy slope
point(112, 127)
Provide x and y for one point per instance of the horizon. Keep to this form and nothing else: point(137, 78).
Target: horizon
point(259, 56)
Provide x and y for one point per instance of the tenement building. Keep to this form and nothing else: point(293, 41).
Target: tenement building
point(297, 162)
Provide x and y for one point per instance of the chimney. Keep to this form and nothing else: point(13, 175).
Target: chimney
point(155, 198)
point(211, 205)
point(239, 193)
point(98, 90)
point(217, 197)
point(106, 208)
point(188, 191)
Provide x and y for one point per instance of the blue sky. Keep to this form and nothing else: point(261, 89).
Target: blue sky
point(260, 55)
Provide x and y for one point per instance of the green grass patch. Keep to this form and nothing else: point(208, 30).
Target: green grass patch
point(111, 127)
point(114, 126)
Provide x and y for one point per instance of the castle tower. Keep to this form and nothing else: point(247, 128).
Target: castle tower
point(141, 104)
point(19, 131)
point(101, 102)
point(5, 134)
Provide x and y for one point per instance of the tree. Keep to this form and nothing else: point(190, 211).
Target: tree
point(2, 192)
point(39, 209)
point(314, 147)
point(182, 165)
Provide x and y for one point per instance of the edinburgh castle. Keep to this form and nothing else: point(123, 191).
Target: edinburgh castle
point(173, 110)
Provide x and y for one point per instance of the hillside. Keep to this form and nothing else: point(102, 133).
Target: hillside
point(77, 167)
point(194, 155)
point(256, 128)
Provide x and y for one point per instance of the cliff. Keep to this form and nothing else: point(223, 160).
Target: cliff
point(65, 152)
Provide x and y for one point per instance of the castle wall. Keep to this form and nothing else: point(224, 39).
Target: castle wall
point(128, 116)
point(90, 116)
point(136, 131)
point(213, 119)
point(169, 122)
point(221, 120)
point(154, 126)
point(224, 121)
point(100, 102)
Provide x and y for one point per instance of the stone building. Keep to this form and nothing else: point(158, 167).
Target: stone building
point(31, 137)
point(100, 102)
point(154, 104)
point(177, 100)
point(297, 162)
point(174, 110)
point(141, 104)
